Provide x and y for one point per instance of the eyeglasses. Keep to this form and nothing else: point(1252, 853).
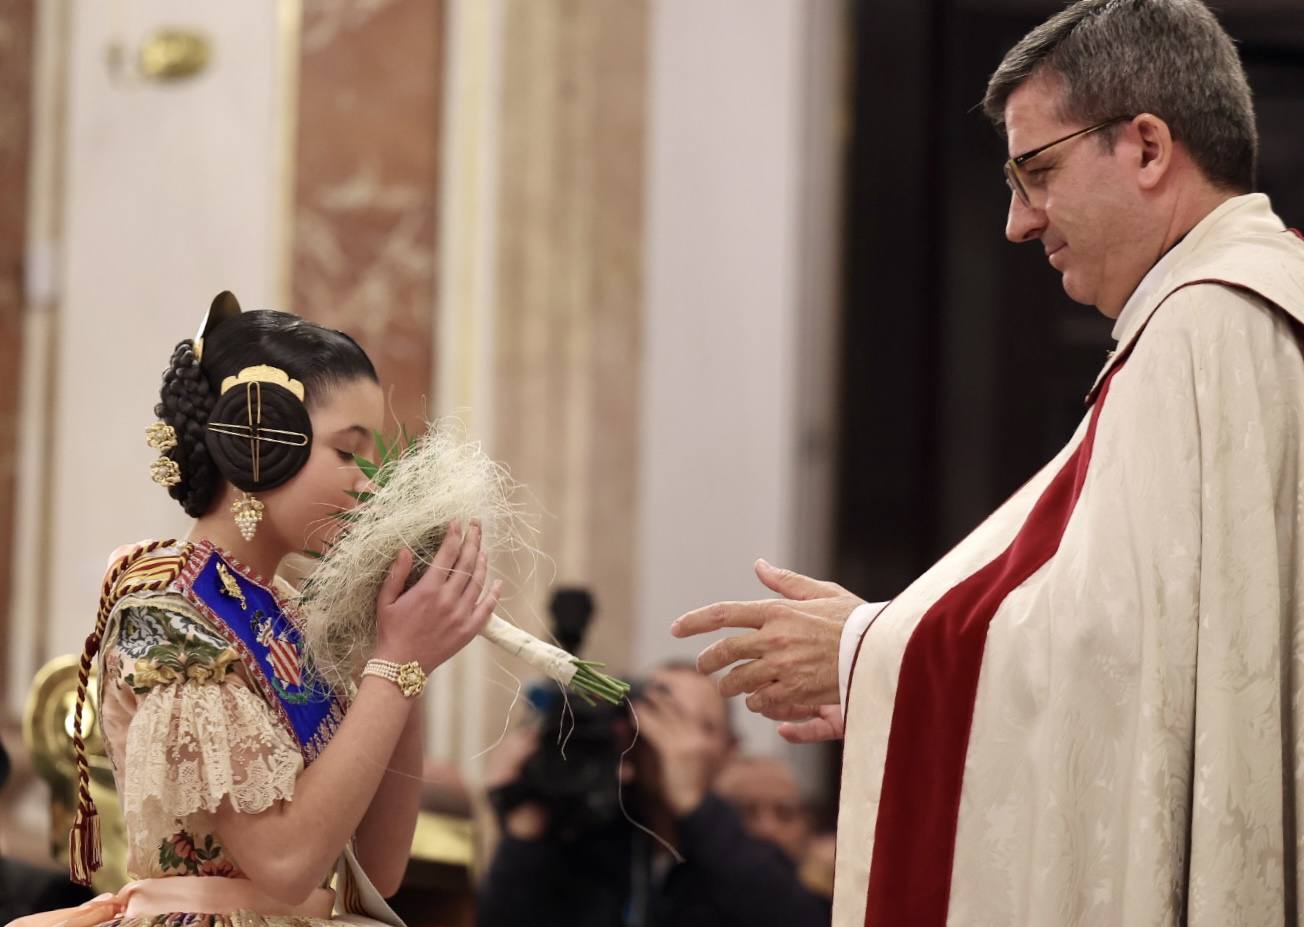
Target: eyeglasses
point(1014, 176)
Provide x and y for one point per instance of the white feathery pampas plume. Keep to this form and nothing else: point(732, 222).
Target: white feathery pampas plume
point(420, 490)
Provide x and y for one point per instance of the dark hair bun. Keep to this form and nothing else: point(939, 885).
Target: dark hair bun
point(233, 341)
point(281, 419)
point(184, 403)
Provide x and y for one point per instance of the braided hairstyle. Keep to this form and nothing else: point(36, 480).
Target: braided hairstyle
point(318, 357)
point(185, 402)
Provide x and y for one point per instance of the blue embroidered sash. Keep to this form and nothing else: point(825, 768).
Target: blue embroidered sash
point(251, 618)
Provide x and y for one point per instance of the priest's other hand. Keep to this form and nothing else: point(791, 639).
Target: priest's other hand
point(788, 661)
point(824, 724)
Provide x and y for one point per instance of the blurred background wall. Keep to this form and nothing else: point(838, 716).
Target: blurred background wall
point(717, 279)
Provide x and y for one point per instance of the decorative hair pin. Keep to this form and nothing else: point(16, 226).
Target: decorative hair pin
point(248, 509)
point(162, 437)
point(262, 373)
point(165, 472)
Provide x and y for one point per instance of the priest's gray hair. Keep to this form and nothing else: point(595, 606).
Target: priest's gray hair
point(1169, 58)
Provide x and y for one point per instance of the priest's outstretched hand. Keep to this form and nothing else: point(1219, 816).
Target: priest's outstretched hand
point(787, 662)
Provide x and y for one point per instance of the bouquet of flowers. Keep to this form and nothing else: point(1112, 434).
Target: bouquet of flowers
point(420, 486)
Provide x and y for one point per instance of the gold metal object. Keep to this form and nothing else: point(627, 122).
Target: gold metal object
point(248, 512)
point(411, 680)
point(165, 472)
point(245, 431)
point(442, 838)
point(174, 54)
point(262, 373)
point(253, 379)
point(161, 436)
point(409, 677)
point(229, 585)
point(47, 720)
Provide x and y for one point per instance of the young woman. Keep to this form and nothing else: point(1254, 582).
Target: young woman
point(244, 780)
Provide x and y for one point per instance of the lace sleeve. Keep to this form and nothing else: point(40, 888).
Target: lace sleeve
point(197, 735)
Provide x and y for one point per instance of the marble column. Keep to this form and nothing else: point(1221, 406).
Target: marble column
point(570, 228)
point(539, 309)
point(366, 173)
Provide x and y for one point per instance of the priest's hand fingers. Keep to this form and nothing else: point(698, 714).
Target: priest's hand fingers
point(777, 699)
point(721, 615)
point(729, 650)
point(828, 726)
point(792, 585)
point(791, 712)
point(806, 596)
point(748, 677)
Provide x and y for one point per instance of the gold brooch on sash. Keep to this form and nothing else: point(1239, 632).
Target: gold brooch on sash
point(230, 587)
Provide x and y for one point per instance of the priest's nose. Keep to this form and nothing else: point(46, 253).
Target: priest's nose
point(1023, 223)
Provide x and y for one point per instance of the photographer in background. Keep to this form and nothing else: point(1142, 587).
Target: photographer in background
point(568, 856)
point(765, 794)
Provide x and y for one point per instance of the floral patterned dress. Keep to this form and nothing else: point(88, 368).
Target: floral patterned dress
point(188, 728)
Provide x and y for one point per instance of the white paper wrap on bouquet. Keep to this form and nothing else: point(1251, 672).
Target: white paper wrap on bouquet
point(551, 661)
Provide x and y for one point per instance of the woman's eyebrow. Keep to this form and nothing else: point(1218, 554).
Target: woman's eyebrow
point(355, 430)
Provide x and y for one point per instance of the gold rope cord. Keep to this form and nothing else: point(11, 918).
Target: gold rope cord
point(84, 855)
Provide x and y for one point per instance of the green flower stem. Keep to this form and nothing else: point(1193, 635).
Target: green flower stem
point(590, 683)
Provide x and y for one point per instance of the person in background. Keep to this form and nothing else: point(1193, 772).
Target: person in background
point(617, 876)
point(765, 794)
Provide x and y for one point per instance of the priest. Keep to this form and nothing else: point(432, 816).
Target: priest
point(1091, 711)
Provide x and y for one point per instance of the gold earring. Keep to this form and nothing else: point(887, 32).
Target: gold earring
point(248, 512)
point(161, 436)
point(165, 472)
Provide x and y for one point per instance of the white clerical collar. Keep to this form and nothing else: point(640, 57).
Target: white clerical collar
point(1155, 278)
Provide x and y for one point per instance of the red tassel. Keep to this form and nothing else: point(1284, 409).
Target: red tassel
point(84, 845)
